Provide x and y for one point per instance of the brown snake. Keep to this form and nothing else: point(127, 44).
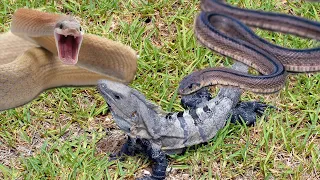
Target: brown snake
point(27, 69)
point(219, 28)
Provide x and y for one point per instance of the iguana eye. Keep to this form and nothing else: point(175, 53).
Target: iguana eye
point(116, 96)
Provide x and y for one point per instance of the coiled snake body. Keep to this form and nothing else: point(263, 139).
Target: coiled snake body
point(27, 69)
point(219, 28)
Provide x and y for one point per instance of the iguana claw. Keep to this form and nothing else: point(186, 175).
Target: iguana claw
point(248, 111)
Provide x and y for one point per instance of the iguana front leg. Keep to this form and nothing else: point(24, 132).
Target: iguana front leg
point(129, 149)
point(154, 152)
point(133, 146)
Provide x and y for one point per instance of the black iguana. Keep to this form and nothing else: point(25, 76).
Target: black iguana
point(156, 133)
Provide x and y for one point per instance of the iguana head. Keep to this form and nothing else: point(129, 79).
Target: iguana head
point(129, 108)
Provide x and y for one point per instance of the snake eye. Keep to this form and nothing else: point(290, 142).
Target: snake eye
point(80, 29)
point(61, 26)
point(191, 86)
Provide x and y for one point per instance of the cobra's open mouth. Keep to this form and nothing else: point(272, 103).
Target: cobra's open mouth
point(68, 47)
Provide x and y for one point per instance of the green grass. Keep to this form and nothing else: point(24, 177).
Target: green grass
point(64, 134)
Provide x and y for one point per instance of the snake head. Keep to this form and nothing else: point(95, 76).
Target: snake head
point(68, 36)
point(189, 84)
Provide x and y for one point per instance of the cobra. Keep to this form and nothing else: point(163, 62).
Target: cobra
point(67, 57)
